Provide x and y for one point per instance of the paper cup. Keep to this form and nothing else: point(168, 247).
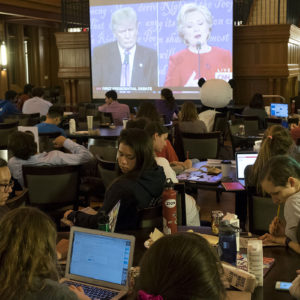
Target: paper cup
point(90, 122)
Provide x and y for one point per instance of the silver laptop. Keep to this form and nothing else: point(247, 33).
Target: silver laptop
point(99, 261)
point(243, 159)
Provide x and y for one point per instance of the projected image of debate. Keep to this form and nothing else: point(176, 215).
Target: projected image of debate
point(139, 48)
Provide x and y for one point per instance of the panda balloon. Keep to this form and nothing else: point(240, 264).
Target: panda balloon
point(215, 93)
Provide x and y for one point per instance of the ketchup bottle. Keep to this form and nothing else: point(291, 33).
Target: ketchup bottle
point(169, 208)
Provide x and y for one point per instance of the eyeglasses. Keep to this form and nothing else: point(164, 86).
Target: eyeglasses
point(7, 186)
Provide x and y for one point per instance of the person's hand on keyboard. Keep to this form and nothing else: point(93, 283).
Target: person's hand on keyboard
point(79, 292)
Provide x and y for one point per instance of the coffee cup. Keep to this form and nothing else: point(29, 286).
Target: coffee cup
point(90, 122)
point(124, 123)
point(225, 167)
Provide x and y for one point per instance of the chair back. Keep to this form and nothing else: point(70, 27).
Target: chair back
point(220, 124)
point(91, 109)
point(251, 123)
point(52, 187)
point(273, 121)
point(106, 149)
point(201, 145)
point(293, 121)
point(261, 213)
point(46, 141)
point(6, 129)
point(105, 117)
point(150, 217)
point(180, 203)
point(107, 170)
point(19, 200)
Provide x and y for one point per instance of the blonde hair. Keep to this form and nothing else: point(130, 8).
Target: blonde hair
point(27, 251)
point(188, 112)
point(188, 8)
point(276, 141)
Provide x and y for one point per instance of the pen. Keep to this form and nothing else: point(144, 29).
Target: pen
point(187, 154)
point(278, 210)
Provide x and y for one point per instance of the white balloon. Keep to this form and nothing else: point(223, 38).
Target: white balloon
point(216, 93)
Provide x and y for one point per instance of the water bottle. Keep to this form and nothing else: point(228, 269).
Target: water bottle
point(103, 221)
point(169, 208)
point(227, 242)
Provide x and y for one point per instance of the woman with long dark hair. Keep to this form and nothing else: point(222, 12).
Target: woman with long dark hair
point(140, 182)
point(167, 106)
point(179, 266)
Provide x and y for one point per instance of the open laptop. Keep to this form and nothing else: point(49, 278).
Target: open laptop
point(243, 159)
point(279, 110)
point(99, 261)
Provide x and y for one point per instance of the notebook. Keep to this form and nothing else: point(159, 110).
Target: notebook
point(243, 159)
point(279, 110)
point(99, 261)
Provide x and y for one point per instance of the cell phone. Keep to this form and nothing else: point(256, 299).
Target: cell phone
point(282, 285)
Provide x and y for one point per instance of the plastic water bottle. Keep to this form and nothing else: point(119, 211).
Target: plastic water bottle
point(227, 242)
point(255, 260)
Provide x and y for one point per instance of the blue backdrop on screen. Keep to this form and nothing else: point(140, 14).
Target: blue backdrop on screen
point(157, 27)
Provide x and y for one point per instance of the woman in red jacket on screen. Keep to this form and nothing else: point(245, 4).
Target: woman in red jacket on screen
point(199, 59)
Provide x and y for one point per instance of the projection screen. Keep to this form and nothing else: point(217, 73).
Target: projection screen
point(140, 47)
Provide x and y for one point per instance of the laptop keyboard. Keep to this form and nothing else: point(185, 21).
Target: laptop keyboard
point(93, 292)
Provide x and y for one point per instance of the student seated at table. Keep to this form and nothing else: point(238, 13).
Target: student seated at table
point(188, 119)
point(28, 258)
point(179, 266)
point(280, 178)
point(53, 119)
point(276, 141)
point(256, 108)
point(159, 136)
point(24, 151)
point(139, 185)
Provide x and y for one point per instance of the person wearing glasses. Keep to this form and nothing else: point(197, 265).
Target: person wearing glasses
point(6, 185)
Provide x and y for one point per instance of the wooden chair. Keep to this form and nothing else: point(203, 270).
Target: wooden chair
point(107, 170)
point(6, 129)
point(19, 200)
point(52, 187)
point(251, 123)
point(220, 125)
point(23, 119)
point(201, 145)
point(151, 217)
point(273, 121)
point(262, 210)
point(106, 149)
point(105, 117)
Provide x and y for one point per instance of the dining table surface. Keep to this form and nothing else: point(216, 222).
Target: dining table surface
point(284, 268)
point(111, 132)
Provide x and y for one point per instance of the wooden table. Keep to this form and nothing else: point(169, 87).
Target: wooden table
point(284, 268)
point(98, 133)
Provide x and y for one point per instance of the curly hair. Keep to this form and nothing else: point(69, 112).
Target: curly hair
point(27, 251)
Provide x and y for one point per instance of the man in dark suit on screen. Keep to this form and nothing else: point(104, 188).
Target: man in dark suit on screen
point(123, 62)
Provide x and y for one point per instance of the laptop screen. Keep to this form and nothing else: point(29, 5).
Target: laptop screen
point(100, 257)
point(242, 161)
point(279, 110)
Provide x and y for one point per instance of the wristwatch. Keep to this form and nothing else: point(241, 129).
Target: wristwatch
point(287, 241)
